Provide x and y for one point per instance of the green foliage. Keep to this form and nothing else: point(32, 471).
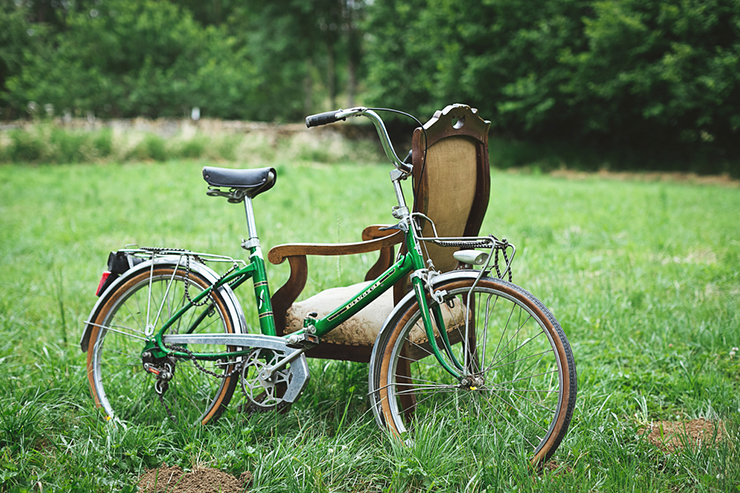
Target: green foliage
point(654, 82)
point(51, 143)
point(659, 77)
point(140, 58)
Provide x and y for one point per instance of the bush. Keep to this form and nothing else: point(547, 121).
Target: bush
point(193, 148)
point(151, 147)
point(46, 143)
point(69, 147)
point(102, 142)
point(656, 77)
point(25, 147)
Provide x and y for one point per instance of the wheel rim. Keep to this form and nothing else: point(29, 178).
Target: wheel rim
point(515, 383)
point(120, 384)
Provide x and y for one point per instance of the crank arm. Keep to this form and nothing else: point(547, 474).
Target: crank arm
point(266, 373)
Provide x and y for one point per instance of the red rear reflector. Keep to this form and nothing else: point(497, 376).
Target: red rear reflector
point(102, 283)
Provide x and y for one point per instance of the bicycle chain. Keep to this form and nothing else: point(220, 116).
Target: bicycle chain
point(188, 255)
point(161, 386)
point(502, 246)
point(204, 370)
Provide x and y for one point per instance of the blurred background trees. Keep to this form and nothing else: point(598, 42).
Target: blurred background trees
point(657, 77)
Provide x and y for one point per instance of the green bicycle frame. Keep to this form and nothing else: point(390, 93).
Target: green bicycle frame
point(410, 262)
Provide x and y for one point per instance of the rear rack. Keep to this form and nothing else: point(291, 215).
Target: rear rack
point(160, 252)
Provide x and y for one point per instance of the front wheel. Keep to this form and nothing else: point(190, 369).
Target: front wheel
point(138, 308)
point(517, 384)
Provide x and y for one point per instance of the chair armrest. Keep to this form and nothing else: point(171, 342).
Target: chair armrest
point(296, 254)
point(278, 254)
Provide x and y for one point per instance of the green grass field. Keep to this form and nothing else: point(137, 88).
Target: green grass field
point(643, 276)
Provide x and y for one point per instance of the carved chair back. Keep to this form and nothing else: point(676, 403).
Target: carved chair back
point(452, 181)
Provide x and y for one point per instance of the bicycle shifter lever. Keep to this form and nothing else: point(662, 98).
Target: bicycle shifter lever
point(402, 226)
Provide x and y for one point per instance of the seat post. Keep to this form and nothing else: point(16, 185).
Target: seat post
point(253, 240)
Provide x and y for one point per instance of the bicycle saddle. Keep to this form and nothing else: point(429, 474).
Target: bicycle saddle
point(251, 182)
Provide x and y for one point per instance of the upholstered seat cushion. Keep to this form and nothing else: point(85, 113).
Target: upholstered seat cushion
point(363, 327)
point(360, 330)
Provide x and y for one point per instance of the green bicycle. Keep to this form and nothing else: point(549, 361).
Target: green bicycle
point(475, 354)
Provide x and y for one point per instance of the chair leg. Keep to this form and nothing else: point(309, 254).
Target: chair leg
point(471, 347)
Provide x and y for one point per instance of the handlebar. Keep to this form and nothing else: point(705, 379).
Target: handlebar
point(322, 118)
point(340, 114)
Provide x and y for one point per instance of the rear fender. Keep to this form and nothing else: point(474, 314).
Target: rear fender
point(230, 300)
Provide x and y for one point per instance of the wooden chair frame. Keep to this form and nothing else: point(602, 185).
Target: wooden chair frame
point(454, 121)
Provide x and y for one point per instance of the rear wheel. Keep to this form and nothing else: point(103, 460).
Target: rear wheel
point(518, 385)
point(139, 307)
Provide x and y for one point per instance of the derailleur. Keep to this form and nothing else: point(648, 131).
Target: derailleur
point(162, 368)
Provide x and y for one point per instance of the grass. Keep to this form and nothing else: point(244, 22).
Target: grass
point(643, 276)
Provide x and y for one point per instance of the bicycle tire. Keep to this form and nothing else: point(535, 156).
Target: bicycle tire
point(511, 400)
point(118, 382)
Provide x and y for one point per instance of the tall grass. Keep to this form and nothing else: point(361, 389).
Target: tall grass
point(642, 276)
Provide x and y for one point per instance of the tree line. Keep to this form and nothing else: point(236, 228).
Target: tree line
point(656, 75)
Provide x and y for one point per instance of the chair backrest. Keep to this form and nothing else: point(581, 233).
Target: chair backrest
point(452, 188)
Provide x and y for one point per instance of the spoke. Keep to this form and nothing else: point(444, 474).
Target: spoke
point(129, 356)
point(418, 401)
point(120, 330)
point(135, 316)
point(410, 388)
point(503, 331)
point(422, 380)
point(496, 395)
point(531, 376)
point(504, 389)
point(165, 297)
point(489, 309)
point(517, 391)
point(519, 329)
point(520, 359)
point(409, 341)
point(495, 410)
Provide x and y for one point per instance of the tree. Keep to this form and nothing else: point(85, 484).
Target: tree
point(131, 58)
point(655, 75)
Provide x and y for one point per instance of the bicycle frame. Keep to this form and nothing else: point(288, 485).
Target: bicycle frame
point(410, 263)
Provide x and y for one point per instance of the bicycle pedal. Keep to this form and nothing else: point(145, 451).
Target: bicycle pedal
point(304, 340)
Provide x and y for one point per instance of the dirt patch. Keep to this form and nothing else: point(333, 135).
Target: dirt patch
point(199, 480)
point(672, 435)
point(552, 466)
point(674, 177)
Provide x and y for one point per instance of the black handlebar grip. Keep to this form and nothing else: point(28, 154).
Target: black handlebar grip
point(322, 118)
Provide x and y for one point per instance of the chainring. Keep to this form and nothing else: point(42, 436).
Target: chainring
point(265, 394)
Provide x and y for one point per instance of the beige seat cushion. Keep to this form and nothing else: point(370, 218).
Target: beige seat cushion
point(363, 327)
point(360, 330)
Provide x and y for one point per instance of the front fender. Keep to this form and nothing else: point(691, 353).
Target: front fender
point(230, 300)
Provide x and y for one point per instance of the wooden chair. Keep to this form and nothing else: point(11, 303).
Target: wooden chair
point(451, 188)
